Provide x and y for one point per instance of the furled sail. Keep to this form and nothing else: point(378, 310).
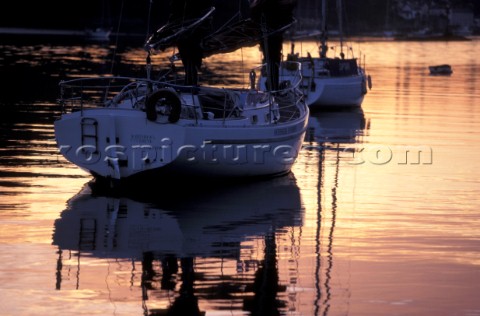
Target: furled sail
point(238, 34)
point(190, 28)
point(169, 34)
point(235, 33)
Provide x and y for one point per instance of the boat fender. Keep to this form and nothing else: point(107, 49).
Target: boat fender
point(364, 86)
point(369, 82)
point(168, 102)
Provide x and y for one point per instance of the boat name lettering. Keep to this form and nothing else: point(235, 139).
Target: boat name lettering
point(285, 131)
point(142, 139)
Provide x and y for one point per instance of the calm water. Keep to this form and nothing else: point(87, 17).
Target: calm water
point(380, 216)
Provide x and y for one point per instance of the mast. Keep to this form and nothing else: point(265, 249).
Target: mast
point(387, 16)
point(323, 39)
point(340, 25)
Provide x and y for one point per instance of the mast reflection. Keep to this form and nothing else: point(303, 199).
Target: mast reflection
point(344, 126)
point(184, 245)
point(330, 133)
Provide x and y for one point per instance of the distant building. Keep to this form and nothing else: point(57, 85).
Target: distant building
point(406, 12)
point(461, 21)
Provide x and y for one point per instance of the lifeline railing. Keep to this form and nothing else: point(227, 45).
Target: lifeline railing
point(79, 94)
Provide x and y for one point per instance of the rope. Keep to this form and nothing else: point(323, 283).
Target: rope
point(116, 38)
point(114, 52)
point(148, 20)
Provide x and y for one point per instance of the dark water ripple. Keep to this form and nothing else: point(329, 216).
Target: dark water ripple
point(346, 234)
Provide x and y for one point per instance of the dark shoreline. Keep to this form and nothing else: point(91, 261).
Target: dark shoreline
point(31, 33)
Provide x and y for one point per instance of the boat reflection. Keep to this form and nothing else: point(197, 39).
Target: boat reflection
point(331, 142)
point(186, 246)
point(339, 126)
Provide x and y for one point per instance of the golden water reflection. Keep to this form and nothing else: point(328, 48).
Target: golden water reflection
point(198, 252)
point(381, 217)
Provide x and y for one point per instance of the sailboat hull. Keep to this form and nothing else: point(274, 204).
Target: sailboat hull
point(120, 143)
point(327, 83)
point(324, 87)
point(332, 92)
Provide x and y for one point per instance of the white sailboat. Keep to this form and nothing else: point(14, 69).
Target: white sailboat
point(102, 32)
point(123, 128)
point(99, 34)
point(338, 81)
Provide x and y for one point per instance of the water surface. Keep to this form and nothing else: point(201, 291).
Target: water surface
point(380, 215)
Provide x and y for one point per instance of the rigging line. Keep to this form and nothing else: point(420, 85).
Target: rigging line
point(240, 10)
point(266, 53)
point(116, 37)
point(340, 23)
point(148, 19)
point(114, 54)
point(318, 263)
point(241, 48)
point(243, 68)
point(328, 273)
point(346, 28)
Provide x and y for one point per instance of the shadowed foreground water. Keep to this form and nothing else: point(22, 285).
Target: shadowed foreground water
point(380, 215)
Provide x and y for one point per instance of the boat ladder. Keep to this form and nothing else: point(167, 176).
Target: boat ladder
point(88, 233)
point(89, 133)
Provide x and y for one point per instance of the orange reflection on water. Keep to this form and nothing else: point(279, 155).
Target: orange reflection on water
point(384, 236)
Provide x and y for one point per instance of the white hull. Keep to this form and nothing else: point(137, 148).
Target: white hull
point(323, 86)
point(334, 91)
point(145, 146)
point(120, 142)
point(340, 84)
